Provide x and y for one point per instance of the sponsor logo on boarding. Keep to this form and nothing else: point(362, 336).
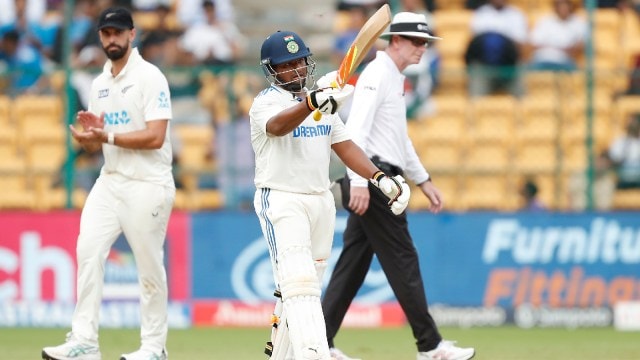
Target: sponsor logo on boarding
point(603, 241)
point(560, 266)
point(252, 278)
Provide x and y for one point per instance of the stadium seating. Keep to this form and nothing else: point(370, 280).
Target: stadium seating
point(487, 157)
point(536, 158)
point(539, 119)
point(441, 157)
point(449, 185)
point(487, 192)
point(491, 118)
point(195, 159)
point(627, 199)
point(478, 150)
point(5, 109)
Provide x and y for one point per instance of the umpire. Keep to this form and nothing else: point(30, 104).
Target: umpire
point(378, 123)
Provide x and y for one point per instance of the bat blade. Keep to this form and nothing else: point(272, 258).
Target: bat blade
point(360, 46)
point(363, 42)
point(348, 63)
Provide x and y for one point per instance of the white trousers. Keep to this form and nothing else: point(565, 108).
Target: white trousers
point(290, 219)
point(299, 231)
point(141, 211)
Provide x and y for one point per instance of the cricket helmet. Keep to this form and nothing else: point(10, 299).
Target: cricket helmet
point(281, 47)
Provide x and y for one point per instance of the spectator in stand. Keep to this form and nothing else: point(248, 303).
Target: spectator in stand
point(625, 7)
point(149, 5)
point(189, 12)
point(91, 40)
point(22, 62)
point(34, 10)
point(33, 28)
point(164, 27)
point(557, 39)
point(84, 14)
point(164, 38)
point(161, 47)
point(235, 157)
point(214, 42)
point(607, 3)
point(529, 192)
point(358, 15)
point(499, 31)
point(473, 4)
point(618, 167)
point(624, 155)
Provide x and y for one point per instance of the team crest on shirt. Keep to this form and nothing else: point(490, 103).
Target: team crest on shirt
point(103, 93)
point(163, 100)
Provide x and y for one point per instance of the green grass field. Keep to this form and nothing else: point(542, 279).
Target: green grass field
point(506, 343)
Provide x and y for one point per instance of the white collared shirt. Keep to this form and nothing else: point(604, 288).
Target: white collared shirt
point(297, 162)
point(378, 119)
point(509, 21)
point(139, 93)
point(554, 36)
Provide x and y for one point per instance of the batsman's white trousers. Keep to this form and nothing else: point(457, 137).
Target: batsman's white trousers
point(291, 219)
point(141, 211)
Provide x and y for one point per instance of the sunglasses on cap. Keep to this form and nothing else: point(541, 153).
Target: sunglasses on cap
point(417, 42)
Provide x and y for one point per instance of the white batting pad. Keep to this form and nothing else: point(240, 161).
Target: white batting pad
point(300, 289)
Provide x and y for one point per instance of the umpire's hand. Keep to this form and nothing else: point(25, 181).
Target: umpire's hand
point(433, 194)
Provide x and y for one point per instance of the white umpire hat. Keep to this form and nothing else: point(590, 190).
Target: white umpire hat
point(410, 24)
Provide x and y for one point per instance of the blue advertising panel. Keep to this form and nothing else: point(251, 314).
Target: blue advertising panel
point(471, 259)
point(230, 260)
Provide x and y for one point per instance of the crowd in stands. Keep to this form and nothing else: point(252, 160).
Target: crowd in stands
point(180, 36)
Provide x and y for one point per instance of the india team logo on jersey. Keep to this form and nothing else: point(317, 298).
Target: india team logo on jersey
point(163, 100)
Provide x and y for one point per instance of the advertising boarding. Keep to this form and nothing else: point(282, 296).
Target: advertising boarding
point(479, 269)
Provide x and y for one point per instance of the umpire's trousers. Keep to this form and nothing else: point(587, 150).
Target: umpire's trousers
point(386, 235)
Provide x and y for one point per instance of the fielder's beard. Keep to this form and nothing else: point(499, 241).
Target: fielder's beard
point(116, 54)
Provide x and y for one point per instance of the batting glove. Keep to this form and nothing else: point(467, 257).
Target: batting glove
point(395, 188)
point(328, 100)
point(328, 80)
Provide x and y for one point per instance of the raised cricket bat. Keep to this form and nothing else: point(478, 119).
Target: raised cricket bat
point(360, 46)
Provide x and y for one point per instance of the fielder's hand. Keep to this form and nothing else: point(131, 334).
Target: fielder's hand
point(328, 100)
point(328, 80)
point(395, 188)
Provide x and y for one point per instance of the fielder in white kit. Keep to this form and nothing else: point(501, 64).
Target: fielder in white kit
point(128, 118)
point(293, 199)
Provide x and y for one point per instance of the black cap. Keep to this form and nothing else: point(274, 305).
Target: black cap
point(119, 18)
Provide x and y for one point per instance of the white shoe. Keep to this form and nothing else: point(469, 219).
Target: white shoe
point(336, 354)
point(447, 350)
point(145, 355)
point(72, 349)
